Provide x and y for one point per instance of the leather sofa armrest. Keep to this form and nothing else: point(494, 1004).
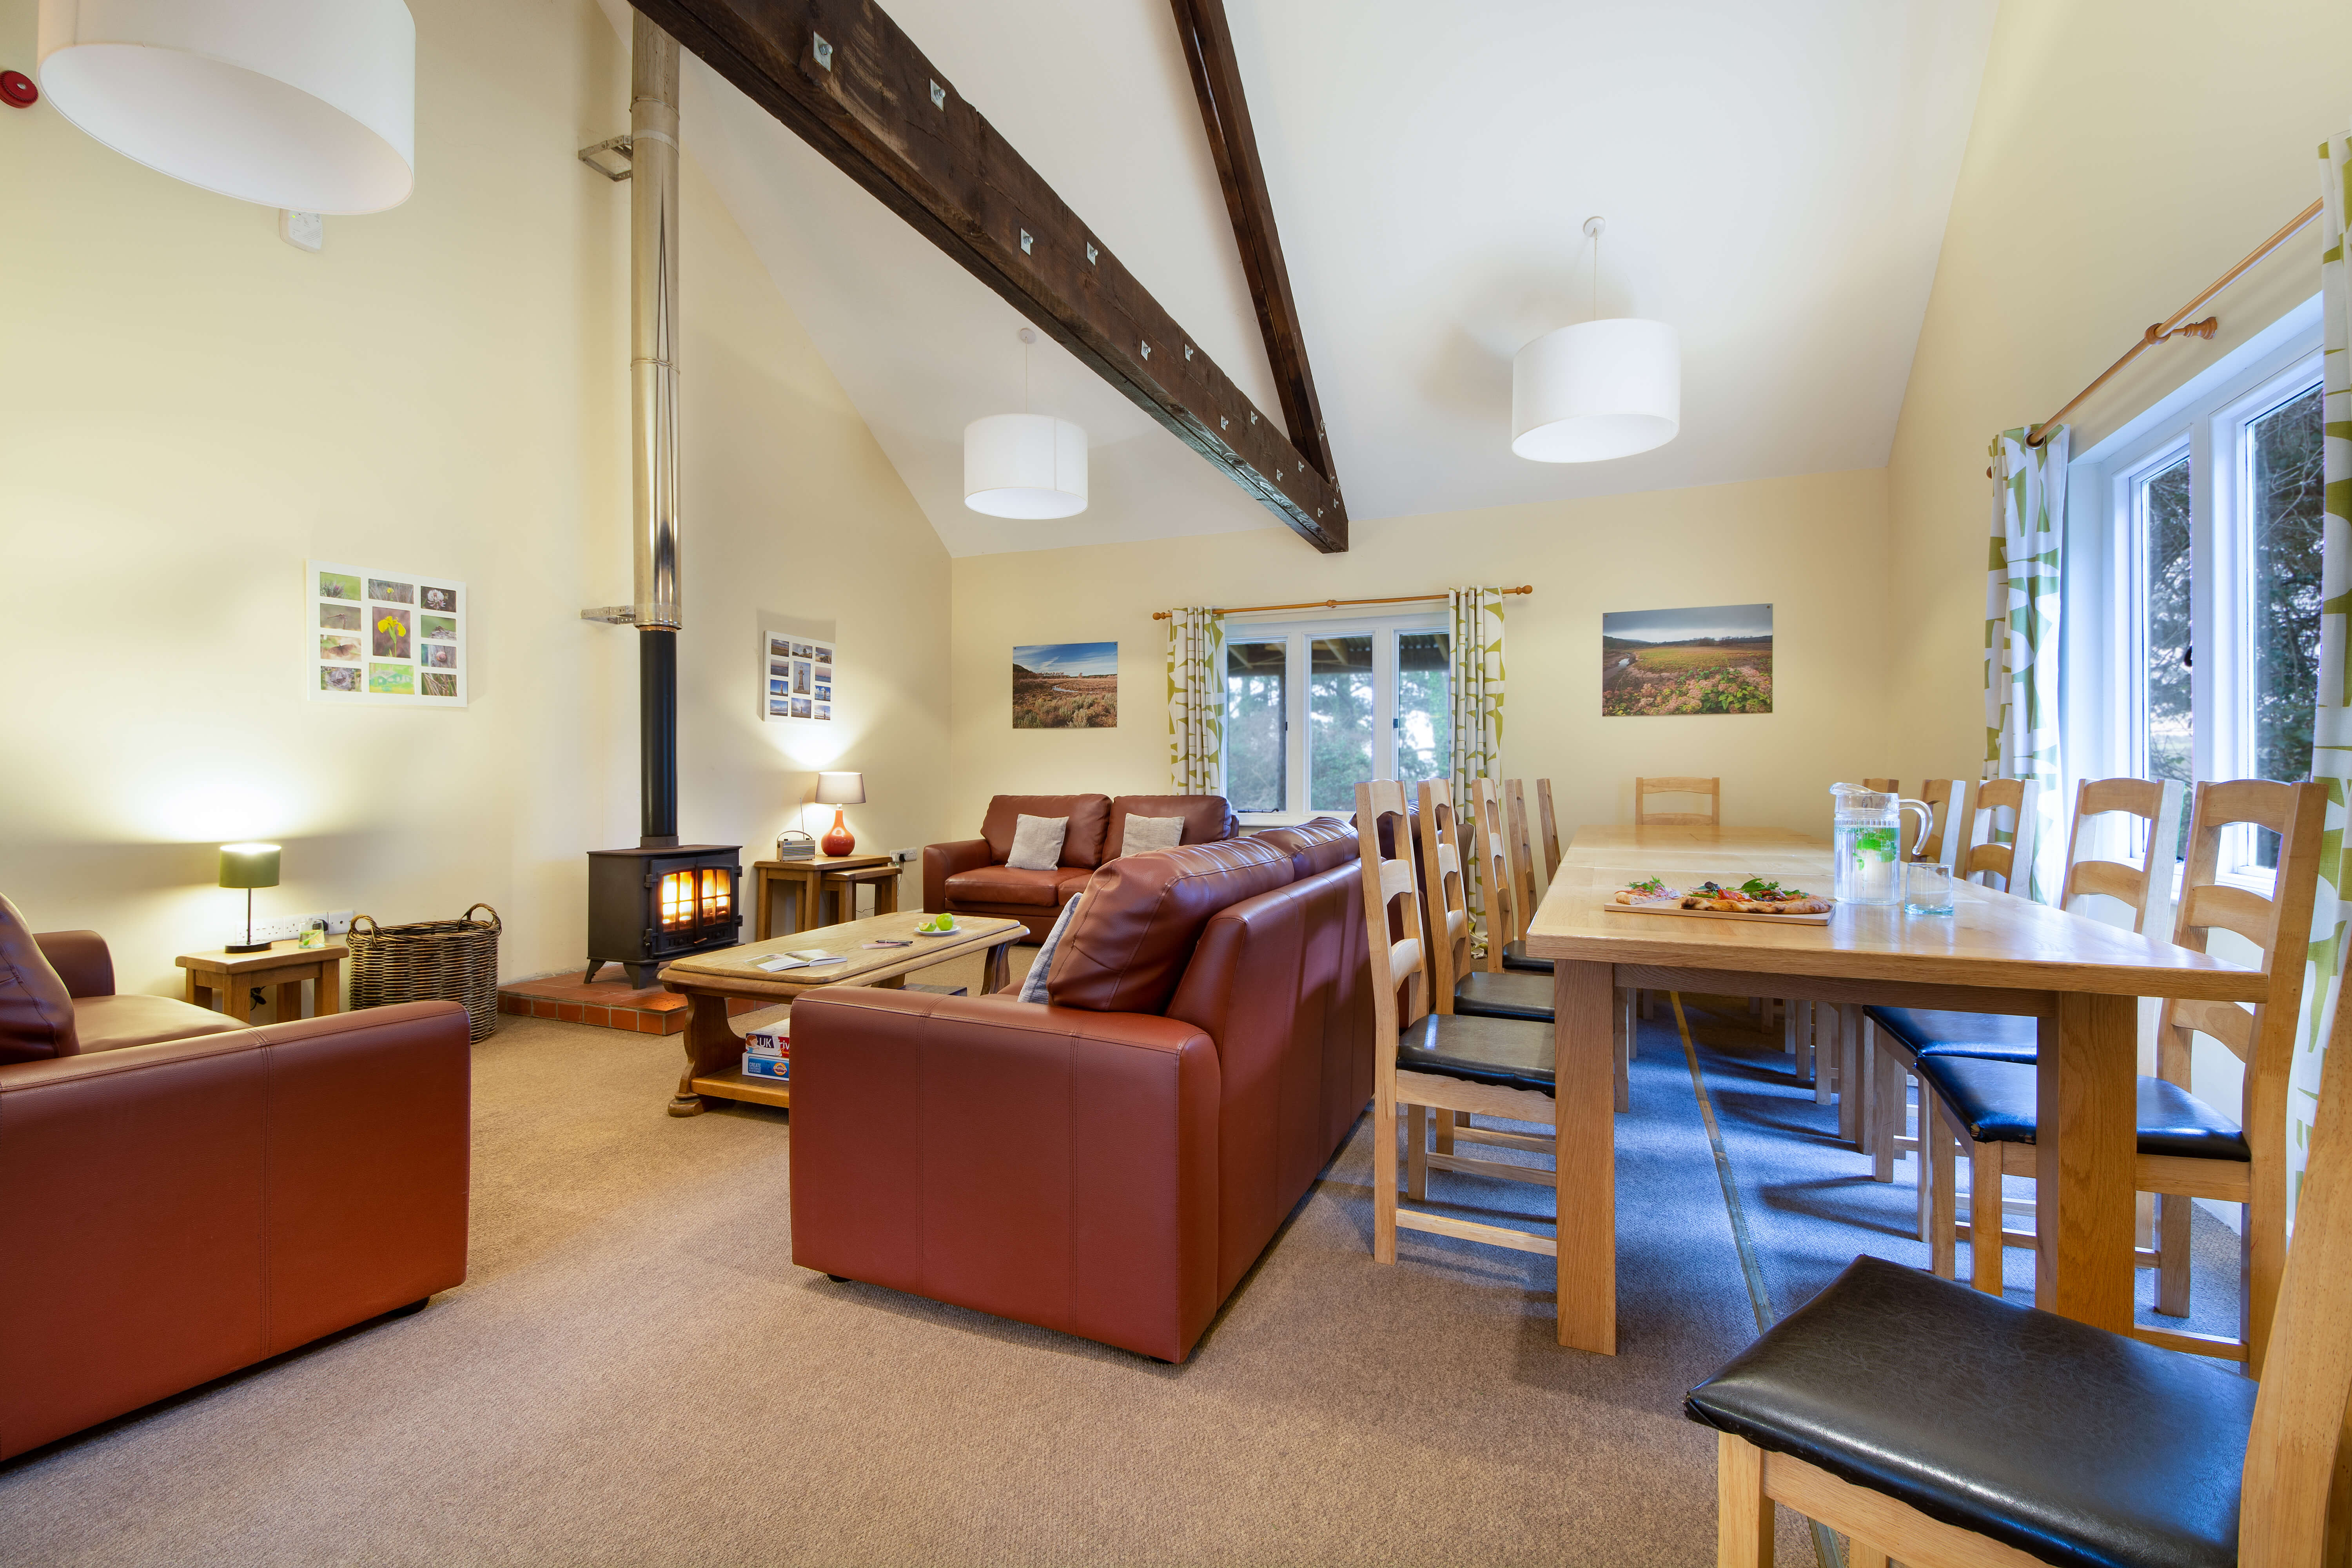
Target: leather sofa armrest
point(941, 861)
point(1045, 1163)
point(80, 959)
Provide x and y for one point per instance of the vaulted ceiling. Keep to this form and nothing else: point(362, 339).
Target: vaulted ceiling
point(1775, 174)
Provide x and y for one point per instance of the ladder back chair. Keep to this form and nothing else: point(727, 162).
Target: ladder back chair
point(1946, 799)
point(1549, 821)
point(1526, 899)
point(1485, 989)
point(1501, 1068)
point(1883, 786)
point(1645, 788)
point(2143, 885)
point(2186, 1148)
point(1986, 856)
point(2026, 1438)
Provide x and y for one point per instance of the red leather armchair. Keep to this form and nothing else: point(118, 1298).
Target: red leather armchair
point(180, 1197)
point(970, 876)
point(1110, 1163)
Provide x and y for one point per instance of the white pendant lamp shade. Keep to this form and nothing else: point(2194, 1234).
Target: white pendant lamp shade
point(1597, 390)
point(1030, 465)
point(306, 104)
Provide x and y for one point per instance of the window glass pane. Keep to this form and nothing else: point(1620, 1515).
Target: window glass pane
point(1255, 767)
point(1338, 719)
point(2286, 525)
point(1424, 715)
point(2169, 719)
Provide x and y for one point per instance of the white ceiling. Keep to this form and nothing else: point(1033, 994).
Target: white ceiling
point(1776, 175)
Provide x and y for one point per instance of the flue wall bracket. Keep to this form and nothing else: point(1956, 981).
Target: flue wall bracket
point(614, 157)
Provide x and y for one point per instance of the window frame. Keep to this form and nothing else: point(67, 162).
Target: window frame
point(1298, 633)
point(2102, 701)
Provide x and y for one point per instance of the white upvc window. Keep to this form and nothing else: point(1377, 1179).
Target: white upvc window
point(2192, 587)
point(1314, 708)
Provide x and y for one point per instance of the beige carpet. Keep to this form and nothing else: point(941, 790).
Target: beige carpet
point(636, 1372)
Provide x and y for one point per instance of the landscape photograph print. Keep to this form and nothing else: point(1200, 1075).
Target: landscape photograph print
point(1713, 658)
point(1066, 686)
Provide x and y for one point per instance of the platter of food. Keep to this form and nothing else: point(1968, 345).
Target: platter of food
point(1756, 899)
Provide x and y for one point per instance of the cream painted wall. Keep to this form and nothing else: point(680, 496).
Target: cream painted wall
point(2125, 154)
point(192, 407)
point(1814, 547)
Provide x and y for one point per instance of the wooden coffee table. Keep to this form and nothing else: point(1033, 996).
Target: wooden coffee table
point(714, 1051)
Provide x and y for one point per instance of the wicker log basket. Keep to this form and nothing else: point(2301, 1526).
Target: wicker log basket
point(429, 960)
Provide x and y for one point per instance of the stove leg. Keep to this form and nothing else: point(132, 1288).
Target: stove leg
point(594, 965)
point(641, 975)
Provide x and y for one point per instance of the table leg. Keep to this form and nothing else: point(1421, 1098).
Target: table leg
point(228, 990)
point(996, 973)
point(712, 1047)
point(330, 989)
point(2083, 1156)
point(886, 896)
point(1584, 1075)
point(760, 903)
point(289, 1001)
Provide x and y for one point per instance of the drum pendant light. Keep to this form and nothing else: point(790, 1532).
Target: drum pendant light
point(305, 104)
point(1025, 465)
point(1598, 389)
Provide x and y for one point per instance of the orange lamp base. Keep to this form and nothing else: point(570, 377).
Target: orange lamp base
point(838, 842)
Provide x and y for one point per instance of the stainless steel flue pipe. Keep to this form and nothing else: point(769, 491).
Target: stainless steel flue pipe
point(653, 322)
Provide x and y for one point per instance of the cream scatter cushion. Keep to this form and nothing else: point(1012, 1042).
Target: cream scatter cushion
point(1151, 833)
point(1037, 842)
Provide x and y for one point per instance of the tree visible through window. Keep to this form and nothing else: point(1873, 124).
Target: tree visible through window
point(1313, 709)
point(2288, 519)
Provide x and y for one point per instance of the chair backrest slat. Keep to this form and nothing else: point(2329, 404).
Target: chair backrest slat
point(1883, 786)
point(1549, 822)
point(1449, 914)
point(1522, 847)
point(1946, 799)
point(2146, 886)
point(1643, 788)
point(2293, 1456)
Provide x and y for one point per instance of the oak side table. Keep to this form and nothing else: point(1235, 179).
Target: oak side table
point(285, 965)
point(805, 879)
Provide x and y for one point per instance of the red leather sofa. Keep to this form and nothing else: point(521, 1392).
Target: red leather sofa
point(970, 876)
point(181, 1196)
point(1107, 1163)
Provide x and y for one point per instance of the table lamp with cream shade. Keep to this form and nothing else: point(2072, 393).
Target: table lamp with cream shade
point(837, 790)
point(248, 866)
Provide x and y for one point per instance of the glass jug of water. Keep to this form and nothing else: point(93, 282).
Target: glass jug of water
point(1866, 843)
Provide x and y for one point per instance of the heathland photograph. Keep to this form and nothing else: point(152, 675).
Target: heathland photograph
point(1716, 658)
point(1066, 686)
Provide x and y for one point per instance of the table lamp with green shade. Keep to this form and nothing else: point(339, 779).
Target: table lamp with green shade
point(248, 866)
point(837, 790)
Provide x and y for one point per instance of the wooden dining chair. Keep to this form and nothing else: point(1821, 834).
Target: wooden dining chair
point(1549, 821)
point(1946, 799)
point(2023, 1438)
point(2142, 885)
point(1645, 788)
point(1458, 983)
point(1425, 1061)
point(1985, 855)
point(1883, 786)
point(1527, 898)
point(2186, 1148)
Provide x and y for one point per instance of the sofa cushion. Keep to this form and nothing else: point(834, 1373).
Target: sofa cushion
point(1074, 882)
point(1207, 818)
point(1141, 834)
point(111, 1023)
point(1037, 842)
point(1143, 915)
point(1314, 847)
point(1003, 885)
point(1081, 845)
point(37, 1011)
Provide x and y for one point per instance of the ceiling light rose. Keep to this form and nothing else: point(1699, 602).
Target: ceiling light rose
point(1026, 466)
point(304, 104)
point(1598, 389)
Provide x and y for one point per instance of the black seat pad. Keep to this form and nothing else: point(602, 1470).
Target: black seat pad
point(1925, 1032)
point(1996, 1102)
point(1485, 995)
point(1502, 1053)
point(1515, 957)
point(2071, 1444)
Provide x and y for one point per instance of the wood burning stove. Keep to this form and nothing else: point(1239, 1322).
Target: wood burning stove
point(648, 906)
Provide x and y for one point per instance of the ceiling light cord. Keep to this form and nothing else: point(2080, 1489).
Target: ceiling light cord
point(1593, 226)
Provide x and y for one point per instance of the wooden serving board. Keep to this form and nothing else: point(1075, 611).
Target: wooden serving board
point(1819, 920)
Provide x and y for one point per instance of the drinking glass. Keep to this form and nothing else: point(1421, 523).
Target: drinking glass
point(1926, 888)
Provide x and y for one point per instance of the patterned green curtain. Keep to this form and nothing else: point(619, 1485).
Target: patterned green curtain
point(1196, 702)
point(1476, 694)
point(2331, 751)
point(2029, 522)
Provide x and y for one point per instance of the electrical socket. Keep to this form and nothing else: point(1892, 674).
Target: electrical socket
point(287, 928)
point(338, 922)
point(904, 855)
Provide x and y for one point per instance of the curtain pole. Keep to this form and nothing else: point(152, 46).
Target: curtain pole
point(1335, 604)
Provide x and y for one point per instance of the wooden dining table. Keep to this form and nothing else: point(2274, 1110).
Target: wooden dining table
point(1994, 953)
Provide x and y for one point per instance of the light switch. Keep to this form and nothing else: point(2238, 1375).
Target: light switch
point(304, 231)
